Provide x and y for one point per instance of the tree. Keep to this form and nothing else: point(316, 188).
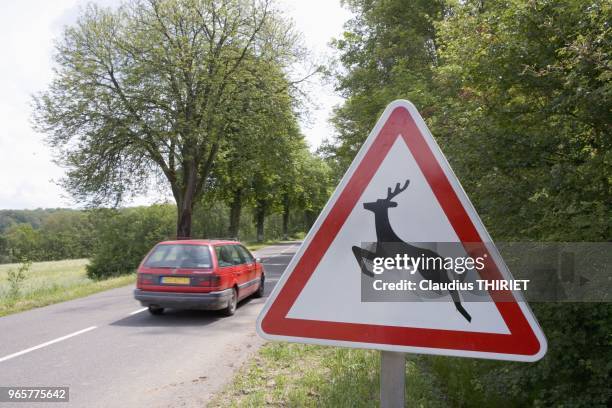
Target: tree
point(387, 52)
point(306, 186)
point(260, 144)
point(66, 234)
point(524, 90)
point(23, 242)
point(270, 178)
point(4, 250)
point(518, 96)
point(316, 183)
point(524, 117)
point(146, 93)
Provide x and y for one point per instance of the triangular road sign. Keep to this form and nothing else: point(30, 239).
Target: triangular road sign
point(318, 298)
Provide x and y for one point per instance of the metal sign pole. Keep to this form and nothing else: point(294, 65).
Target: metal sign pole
point(392, 379)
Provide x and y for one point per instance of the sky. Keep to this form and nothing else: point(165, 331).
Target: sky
point(28, 29)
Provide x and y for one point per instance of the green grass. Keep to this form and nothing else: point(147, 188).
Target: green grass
point(297, 375)
point(53, 282)
point(468, 382)
point(254, 246)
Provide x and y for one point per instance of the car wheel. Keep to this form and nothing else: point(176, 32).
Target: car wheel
point(156, 310)
point(262, 284)
point(231, 304)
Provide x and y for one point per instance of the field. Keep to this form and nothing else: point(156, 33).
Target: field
point(51, 282)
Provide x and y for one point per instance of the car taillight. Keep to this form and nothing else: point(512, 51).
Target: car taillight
point(145, 279)
point(209, 280)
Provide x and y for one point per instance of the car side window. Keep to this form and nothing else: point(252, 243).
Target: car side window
point(234, 255)
point(246, 255)
point(223, 256)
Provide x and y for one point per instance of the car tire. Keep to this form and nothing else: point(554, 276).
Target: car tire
point(232, 304)
point(156, 310)
point(262, 287)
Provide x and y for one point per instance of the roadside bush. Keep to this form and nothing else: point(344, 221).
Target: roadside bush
point(125, 236)
point(576, 371)
point(15, 278)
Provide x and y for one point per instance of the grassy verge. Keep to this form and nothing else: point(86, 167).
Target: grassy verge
point(470, 382)
point(254, 246)
point(52, 282)
point(284, 374)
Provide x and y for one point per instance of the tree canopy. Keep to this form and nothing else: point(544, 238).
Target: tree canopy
point(517, 93)
point(149, 92)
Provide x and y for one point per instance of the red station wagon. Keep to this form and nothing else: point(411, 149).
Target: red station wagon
point(198, 274)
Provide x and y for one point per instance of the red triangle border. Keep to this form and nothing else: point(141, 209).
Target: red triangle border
point(400, 123)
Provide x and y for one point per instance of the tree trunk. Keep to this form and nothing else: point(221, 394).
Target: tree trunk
point(286, 206)
point(183, 224)
point(235, 212)
point(309, 218)
point(260, 217)
point(185, 203)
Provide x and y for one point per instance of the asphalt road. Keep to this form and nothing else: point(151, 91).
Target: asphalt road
point(112, 353)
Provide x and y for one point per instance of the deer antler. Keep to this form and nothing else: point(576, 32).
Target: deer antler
point(398, 189)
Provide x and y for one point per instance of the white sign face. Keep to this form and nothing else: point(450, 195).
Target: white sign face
point(398, 189)
point(418, 218)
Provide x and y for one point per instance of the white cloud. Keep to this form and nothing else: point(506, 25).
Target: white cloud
point(28, 29)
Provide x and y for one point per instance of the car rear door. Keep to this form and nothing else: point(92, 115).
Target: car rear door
point(250, 262)
point(243, 270)
point(240, 270)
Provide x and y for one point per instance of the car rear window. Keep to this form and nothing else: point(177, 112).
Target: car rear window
point(179, 256)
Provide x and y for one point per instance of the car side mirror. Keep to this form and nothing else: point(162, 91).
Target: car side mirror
point(258, 260)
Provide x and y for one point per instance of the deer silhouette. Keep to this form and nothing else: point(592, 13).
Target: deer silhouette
point(386, 235)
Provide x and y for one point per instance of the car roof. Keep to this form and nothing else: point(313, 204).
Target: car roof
point(199, 242)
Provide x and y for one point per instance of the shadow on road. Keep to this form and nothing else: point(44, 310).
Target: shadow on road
point(177, 318)
point(170, 318)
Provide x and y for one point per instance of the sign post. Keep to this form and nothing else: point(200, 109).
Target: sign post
point(392, 379)
point(400, 190)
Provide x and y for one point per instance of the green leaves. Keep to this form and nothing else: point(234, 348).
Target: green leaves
point(150, 92)
point(125, 236)
point(388, 52)
point(513, 93)
point(518, 97)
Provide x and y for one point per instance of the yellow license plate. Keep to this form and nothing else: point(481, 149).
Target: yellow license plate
point(175, 280)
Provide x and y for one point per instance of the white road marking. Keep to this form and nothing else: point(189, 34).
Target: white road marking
point(138, 311)
point(48, 343)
